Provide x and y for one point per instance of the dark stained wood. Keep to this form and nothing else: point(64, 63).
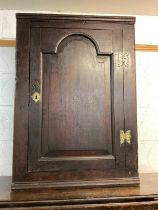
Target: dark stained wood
point(133, 206)
point(130, 105)
point(118, 100)
point(127, 206)
point(22, 97)
point(79, 108)
point(50, 17)
point(143, 197)
point(34, 108)
point(76, 105)
point(71, 137)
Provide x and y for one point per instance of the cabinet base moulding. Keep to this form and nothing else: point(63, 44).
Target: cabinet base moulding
point(133, 181)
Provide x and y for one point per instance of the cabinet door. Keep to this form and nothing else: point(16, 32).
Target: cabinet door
point(76, 101)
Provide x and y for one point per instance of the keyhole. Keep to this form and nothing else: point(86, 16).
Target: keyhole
point(36, 97)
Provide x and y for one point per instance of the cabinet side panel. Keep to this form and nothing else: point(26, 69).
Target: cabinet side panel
point(21, 102)
point(130, 107)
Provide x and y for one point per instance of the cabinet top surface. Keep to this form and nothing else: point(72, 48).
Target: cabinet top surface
point(41, 16)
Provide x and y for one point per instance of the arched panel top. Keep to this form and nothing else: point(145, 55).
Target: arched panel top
point(52, 38)
point(78, 34)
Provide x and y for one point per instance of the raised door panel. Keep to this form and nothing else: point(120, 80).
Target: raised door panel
point(76, 100)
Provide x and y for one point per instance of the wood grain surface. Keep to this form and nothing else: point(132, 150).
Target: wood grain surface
point(143, 197)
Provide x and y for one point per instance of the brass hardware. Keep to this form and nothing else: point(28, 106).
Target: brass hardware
point(36, 97)
point(35, 91)
point(35, 86)
point(125, 137)
point(123, 59)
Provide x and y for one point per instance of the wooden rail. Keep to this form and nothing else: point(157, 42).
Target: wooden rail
point(7, 42)
point(148, 48)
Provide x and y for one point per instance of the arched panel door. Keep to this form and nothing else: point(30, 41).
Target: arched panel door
point(76, 106)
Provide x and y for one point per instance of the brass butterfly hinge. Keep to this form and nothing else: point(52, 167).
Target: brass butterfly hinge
point(125, 137)
point(123, 59)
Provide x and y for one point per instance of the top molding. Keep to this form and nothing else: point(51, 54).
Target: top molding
point(46, 17)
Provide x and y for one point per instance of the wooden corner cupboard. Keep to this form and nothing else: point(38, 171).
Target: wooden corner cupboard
point(75, 105)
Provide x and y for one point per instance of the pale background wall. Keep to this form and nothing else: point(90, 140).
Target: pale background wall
point(140, 7)
point(147, 86)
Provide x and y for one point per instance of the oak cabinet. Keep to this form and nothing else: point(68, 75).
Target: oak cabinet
point(75, 106)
